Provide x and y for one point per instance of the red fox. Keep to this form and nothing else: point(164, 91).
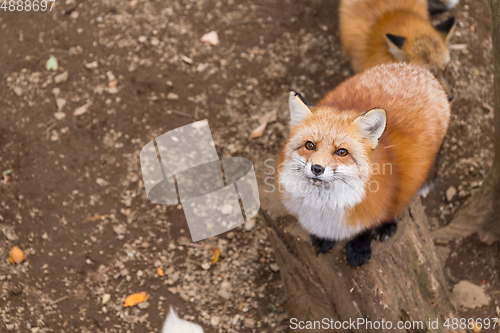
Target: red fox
point(355, 160)
point(374, 32)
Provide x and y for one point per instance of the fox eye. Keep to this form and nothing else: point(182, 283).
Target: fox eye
point(341, 152)
point(310, 145)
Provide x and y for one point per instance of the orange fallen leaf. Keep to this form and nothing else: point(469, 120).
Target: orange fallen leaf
point(112, 83)
point(216, 255)
point(476, 328)
point(159, 271)
point(16, 255)
point(135, 299)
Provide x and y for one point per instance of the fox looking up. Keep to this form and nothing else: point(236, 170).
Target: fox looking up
point(354, 161)
point(374, 32)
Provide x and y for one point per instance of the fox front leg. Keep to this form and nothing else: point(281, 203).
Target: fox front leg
point(385, 231)
point(323, 245)
point(358, 251)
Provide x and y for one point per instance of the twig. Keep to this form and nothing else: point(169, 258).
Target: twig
point(205, 247)
point(60, 299)
point(119, 284)
point(180, 113)
point(99, 217)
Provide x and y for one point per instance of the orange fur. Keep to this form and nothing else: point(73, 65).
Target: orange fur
point(418, 114)
point(365, 23)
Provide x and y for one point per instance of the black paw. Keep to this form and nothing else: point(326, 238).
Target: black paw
point(323, 245)
point(385, 231)
point(358, 251)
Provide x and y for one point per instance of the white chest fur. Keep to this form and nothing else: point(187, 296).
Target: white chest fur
point(321, 210)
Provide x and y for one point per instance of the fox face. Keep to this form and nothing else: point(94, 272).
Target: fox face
point(427, 48)
point(328, 153)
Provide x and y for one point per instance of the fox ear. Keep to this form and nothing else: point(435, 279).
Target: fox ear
point(299, 109)
point(447, 28)
point(372, 124)
point(396, 44)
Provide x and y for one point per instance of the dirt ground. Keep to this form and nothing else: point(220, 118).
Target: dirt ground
point(72, 195)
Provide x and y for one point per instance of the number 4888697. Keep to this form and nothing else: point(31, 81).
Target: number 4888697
point(27, 5)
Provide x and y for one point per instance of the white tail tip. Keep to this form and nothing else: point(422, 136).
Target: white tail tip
point(174, 324)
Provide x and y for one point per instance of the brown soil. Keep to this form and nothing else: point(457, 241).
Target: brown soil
point(67, 169)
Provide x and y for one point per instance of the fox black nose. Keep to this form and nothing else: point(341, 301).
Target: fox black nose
point(317, 169)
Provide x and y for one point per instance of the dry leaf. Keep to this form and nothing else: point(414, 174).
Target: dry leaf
point(216, 255)
point(16, 255)
point(82, 109)
point(52, 64)
point(113, 83)
point(133, 3)
point(159, 271)
point(258, 131)
point(135, 299)
point(211, 38)
point(269, 117)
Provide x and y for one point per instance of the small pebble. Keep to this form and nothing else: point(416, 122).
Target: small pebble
point(249, 323)
point(155, 41)
point(274, 267)
point(450, 193)
point(249, 225)
point(215, 320)
point(60, 102)
point(59, 115)
point(105, 298)
point(143, 305)
point(18, 91)
point(101, 182)
point(172, 96)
